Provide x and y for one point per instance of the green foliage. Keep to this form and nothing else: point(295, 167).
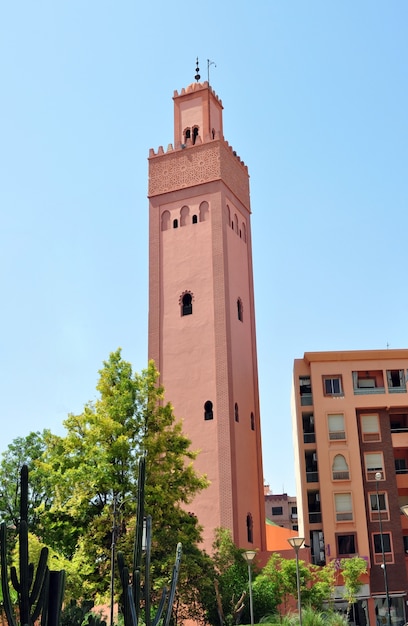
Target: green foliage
point(23, 451)
point(96, 462)
point(352, 570)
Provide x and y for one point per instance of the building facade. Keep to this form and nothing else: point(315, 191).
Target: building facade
point(350, 424)
point(201, 311)
point(281, 509)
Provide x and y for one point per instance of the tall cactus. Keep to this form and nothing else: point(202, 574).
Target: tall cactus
point(131, 585)
point(33, 589)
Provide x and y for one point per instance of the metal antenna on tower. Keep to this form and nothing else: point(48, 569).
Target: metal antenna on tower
point(197, 76)
point(208, 68)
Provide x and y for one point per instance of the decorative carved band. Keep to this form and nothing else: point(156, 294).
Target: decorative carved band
point(197, 165)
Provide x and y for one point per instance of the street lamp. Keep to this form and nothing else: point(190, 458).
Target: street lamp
point(378, 476)
point(249, 556)
point(296, 543)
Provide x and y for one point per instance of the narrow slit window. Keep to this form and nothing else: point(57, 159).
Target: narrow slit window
point(236, 412)
point(239, 310)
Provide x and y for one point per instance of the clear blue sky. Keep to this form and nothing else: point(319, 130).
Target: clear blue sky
point(315, 102)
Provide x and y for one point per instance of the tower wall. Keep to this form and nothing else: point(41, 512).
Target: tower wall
point(200, 245)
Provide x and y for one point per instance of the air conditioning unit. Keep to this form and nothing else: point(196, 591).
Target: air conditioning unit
point(318, 497)
point(314, 457)
point(312, 420)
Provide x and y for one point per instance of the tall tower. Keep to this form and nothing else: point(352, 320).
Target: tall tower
point(201, 311)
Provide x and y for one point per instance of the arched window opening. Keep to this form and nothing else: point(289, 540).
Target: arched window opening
point(195, 134)
point(213, 133)
point(208, 410)
point(243, 229)
point(175, 223)
point(252, 421)
point(340, 469)
point(236, 412)
point(187, 304)
point(240, 310)
point(236, 223)
point(187, 135)
point(184, 215)
point(250, 528)
point(228, 215)
point(195, 219)
point(165, 220)
point(203, 210)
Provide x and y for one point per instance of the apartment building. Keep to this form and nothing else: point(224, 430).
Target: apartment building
point(281, 509)
point(350, 427)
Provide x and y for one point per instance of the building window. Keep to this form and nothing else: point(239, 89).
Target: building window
point(208, 410)
point(195, 133)
point(332, 386)
point(344, 507)
point(378, 507)
point(400, 466)
point(175, 223)
point(250, 528)
point(368, 382)
point(305, 390)
point(374, 464)
point(336, 427)
point(340, 469)
point(405, 539)
point(346, 545)
point(187, 304)
point(236, 412)
point(308, 428)
point(240, 311)
point(187, 134)
point(252, 421)
point(370, 427)
point(396, 381)
point(378, 548)
point(195, 219)
point(277, 510)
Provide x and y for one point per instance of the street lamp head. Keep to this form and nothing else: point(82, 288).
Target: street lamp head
point(249, 556)
point(296, 542)
point(378, 476)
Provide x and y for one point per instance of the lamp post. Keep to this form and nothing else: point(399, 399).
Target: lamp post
point(249, 556)
point(296, 543)
point(378, 476)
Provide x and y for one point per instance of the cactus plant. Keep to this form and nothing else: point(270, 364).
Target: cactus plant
point(33, 587)
point(131, 585)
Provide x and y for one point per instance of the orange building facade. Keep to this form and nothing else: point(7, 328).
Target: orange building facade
point(350, 428)
point(201, 311)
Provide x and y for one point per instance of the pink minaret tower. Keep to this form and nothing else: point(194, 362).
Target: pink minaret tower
point(201, 312)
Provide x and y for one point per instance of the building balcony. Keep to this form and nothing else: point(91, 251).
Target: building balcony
point(309, 438)
point(306, 399)
point(402, 480)
point(368, 391)
point(399, 437)
point(316, 518)
point(312, 477)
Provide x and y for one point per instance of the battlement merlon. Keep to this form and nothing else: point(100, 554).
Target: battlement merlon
point(195, 165)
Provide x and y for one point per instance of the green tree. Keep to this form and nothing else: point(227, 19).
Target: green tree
point(23, 451)
point(352, 570)
point(96, 462)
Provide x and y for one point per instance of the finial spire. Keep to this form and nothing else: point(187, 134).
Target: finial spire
point(197, 76)
point(208, 68)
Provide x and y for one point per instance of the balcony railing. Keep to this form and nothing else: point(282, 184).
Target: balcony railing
point(306, 399)
point(397, 389)
point(363, 391)
point(309, 437)
point(315, 518)
point(312, 477)
point(341, 475)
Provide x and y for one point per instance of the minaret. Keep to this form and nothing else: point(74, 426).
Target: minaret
point(201, 311)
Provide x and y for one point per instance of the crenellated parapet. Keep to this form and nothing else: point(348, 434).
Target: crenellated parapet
point(194, 87)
